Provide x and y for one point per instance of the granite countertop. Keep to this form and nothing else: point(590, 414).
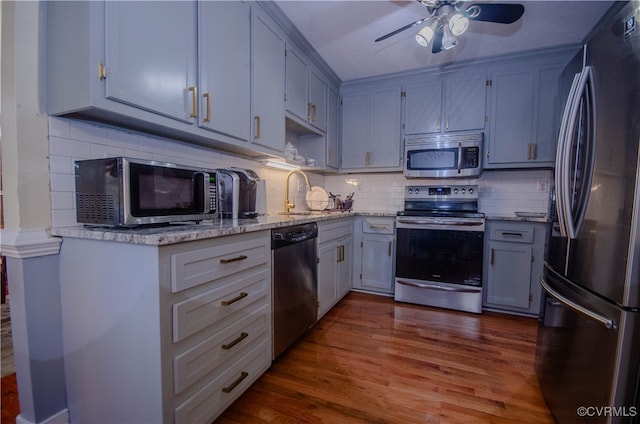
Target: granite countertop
point(180, 233)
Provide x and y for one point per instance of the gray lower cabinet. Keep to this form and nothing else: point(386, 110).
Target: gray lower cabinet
point(514, 254)
point(335, 258)
point(164, 334)
point(377, 249)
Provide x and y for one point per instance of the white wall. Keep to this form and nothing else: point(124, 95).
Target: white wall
point(71, 140)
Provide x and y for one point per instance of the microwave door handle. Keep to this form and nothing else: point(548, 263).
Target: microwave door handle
point(459, 157)
point(205, 187)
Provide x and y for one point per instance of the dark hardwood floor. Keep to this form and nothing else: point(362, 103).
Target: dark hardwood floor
point(373, 360)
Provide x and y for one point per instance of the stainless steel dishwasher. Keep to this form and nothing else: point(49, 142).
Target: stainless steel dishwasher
point(294, 283)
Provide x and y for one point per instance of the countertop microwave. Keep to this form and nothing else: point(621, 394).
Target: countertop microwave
point(443, 156)
point(130, 192)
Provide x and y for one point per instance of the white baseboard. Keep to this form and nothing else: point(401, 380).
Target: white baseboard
point(61, 417)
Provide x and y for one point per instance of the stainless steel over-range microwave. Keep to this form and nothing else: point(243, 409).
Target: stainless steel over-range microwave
point(130, 192)
point(443, 156)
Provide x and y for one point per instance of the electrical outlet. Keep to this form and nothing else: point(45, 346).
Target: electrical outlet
point(542, 186)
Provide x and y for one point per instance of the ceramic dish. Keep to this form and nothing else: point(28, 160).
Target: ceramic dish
point(317, 199)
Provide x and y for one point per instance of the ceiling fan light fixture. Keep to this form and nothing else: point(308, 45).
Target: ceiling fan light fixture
point(458, 24)
point(424, 36)
point(448, 39)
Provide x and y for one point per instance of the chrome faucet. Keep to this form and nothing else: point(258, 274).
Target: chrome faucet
point(288, 205)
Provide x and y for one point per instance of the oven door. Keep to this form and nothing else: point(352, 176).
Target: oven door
point(439, 262)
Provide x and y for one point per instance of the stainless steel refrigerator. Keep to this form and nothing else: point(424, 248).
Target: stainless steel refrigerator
point(588, 352)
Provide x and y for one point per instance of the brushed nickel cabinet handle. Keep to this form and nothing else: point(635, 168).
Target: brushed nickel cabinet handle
point(534, 151)
point(377, 227)
point(390, 247)
point(257, 121)
point(239, 297)
point(236, 259)
point(492, 256)
point(194, 101)
point(233, 385)
point(529, 151)
point(207, 117)
point(231, 344)
point(309, 112)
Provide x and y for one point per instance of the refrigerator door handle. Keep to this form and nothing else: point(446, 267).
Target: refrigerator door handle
point(563, 145)
point(584, 93)
point(604, 320)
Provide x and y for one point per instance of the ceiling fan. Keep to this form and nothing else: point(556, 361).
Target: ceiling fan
point(448, 19)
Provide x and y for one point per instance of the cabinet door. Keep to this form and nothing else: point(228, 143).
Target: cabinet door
point(547, 116)
point(509, 275)
point(385, 141)
point(511, 117)
point(151, 56)
point(423, 108)
point(355, 130)
point(224, 68)
point(268, 83)
point(464, 106)
point(377, 263)
point(317, 100)
point(345, 264)
point(296, 84)
point(328, 255)
point(332, 129)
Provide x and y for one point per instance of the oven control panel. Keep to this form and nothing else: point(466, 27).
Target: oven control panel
point(445, 192)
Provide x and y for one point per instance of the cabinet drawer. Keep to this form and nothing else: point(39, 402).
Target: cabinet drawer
point(201, 311)
point(374, 225)
point(189, 269)
point(212, 399)
point(211, 354)
point(334, 229)
point(512, 233)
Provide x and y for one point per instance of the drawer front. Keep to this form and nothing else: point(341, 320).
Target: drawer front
point(334, 230)
point(512, 233)
point(212, 399)
point(377, 225)
point(201, 311)
point(211, 354)
point(190, 269)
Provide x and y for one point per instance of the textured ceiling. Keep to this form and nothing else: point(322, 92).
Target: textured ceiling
point(343, 32)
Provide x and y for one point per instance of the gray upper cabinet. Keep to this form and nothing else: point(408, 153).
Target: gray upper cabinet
point(333, 112)
point(267, 82)
point(224, 68)
point(306, 92)
point(371, 129)
point(456, 103)
point(524, 116)
point(152, 65)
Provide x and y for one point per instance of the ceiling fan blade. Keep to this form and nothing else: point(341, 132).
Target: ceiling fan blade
point(418, 22)
point(437, 42)
point(502, 13)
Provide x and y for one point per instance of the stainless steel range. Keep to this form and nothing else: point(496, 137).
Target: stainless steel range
point(440, 236)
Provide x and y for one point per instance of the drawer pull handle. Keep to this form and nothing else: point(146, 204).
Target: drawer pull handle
point(236, 259)
point(233, 385)
point(510, 234)
point(240, 338)
point(241, 296)
point(377, 227)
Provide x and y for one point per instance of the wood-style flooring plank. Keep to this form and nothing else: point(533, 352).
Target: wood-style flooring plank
point(373, 360)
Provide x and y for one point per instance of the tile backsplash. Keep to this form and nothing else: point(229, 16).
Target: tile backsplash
point(71, 140)
point(501, 192)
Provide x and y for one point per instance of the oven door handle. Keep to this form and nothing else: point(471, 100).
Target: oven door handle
point(438, 287)
point(459, 157)
point(441, 222)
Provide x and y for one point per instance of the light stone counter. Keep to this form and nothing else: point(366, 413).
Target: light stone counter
point(543, 219)
point(180, 233)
